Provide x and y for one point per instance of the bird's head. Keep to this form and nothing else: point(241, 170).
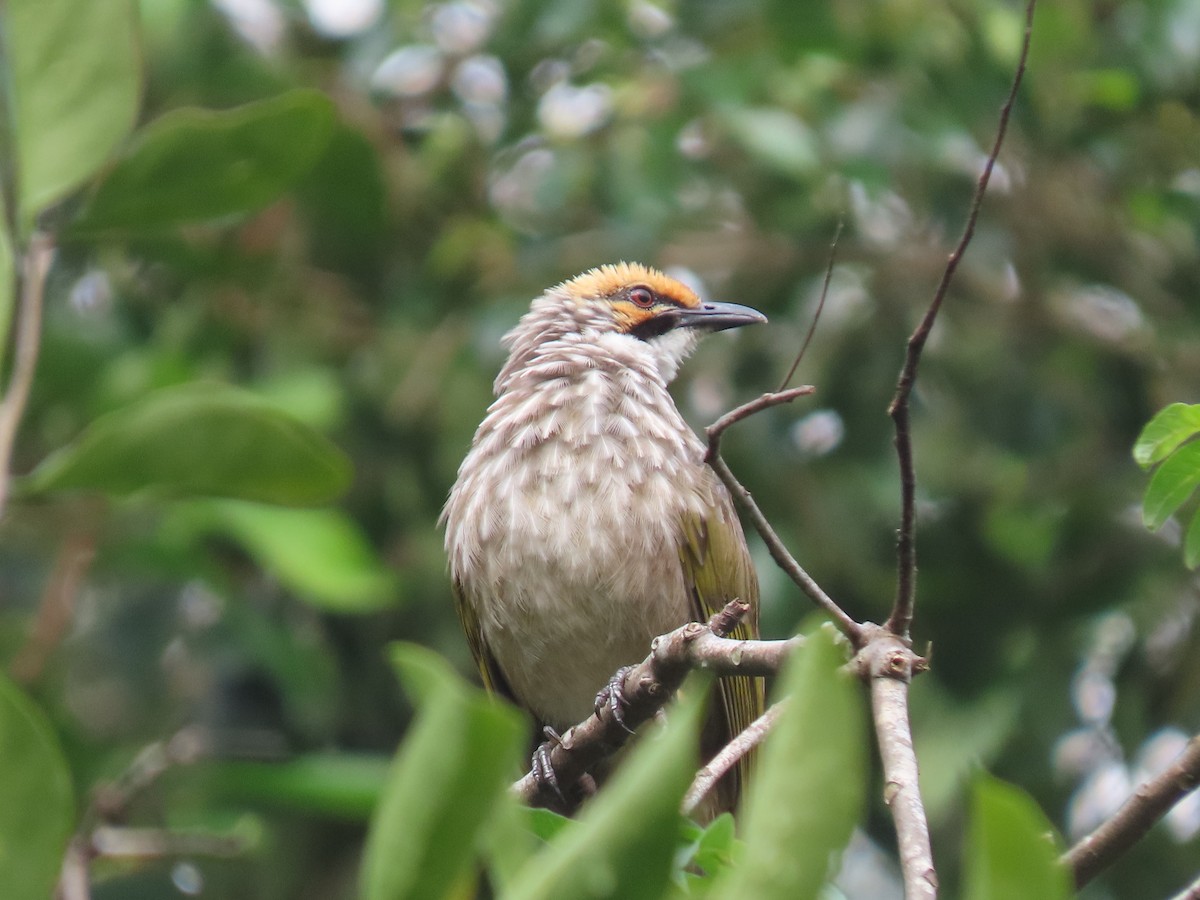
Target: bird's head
point(626, 302)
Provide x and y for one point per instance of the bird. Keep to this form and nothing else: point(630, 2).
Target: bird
point(584, 520)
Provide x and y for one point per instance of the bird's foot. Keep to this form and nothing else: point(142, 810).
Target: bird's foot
point(542, 768)
point(612, 695)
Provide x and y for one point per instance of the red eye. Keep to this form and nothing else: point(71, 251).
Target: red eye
point(641, 297)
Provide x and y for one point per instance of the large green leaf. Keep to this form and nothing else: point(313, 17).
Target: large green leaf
point(74, 91)
point(625, 839)
point(38, 809)
point(194, 165)
point(1169, 428)
point(808, 794)
point(1171, 485)
point(321, 554)
point(459, 756)
point(199, 439)
point(1012, 850)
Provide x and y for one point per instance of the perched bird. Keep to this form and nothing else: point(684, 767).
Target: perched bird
point(584, 521)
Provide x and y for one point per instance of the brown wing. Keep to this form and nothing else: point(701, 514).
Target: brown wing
point(716, 569)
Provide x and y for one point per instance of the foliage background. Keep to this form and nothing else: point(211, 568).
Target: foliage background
point(480, 151)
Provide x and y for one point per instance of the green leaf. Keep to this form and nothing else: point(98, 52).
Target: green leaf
point(328, 784)
point(200, 439)
point(1166, 431)
point(775, 138)
point(624, 841)
point(1191, 543)
point(38, 811)
point(459, 757)
point(1012, 850)
point(713, 853)
point(74, 84)
point(321, 554)
point(194, 165)
point(1170, 486)
point(807, 796)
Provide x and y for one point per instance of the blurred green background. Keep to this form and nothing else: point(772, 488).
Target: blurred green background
point(480, 150)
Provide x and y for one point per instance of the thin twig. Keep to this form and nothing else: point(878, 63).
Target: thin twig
point(729, 756)
point(749, 408)
point(1191, 892)
point(116, 842)
point(1149, 803)
point(889, 665)
point(38, 257)
point(906, 554)
point(812, 328)
point(56, 607)
point(850, 628)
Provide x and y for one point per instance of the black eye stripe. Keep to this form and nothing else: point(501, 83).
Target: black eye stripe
point(654, 326)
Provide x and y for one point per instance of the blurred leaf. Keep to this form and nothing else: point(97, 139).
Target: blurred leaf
point(807, 795)
point(193, 164)
point(1012, 849)
point(512, 840)
point(321, 554)
point(199, 439)
point(1172, 483)
point(74, 84)
point(952, 740)
point(1191, 543)
point(458, 758)
point(330, 784)
point(1169, 428)
point(38, 811)
point(625, 838)
point(774, 138)
point(8, 278)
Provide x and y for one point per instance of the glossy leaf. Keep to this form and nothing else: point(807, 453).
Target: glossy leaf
point(194, 165)
point(199, 439)
point(459, 757)
point(625, 839)
point(1169, 428)
point(74, 83)
point(1171, 485)
point(1012, 850)
point(321, 554)
point(808, 793)
point(38, 811)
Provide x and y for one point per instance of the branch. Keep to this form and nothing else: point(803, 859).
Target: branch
point(1149, 803)
point(1191, 892)
point(889, 664)
point(649, 686)
point(906, 553)
point(850, 628)
point(37, 261)
point(729, 756)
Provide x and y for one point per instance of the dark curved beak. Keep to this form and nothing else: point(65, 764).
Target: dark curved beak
point(713, 316)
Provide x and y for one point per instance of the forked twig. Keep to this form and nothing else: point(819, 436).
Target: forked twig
point(784, 559)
